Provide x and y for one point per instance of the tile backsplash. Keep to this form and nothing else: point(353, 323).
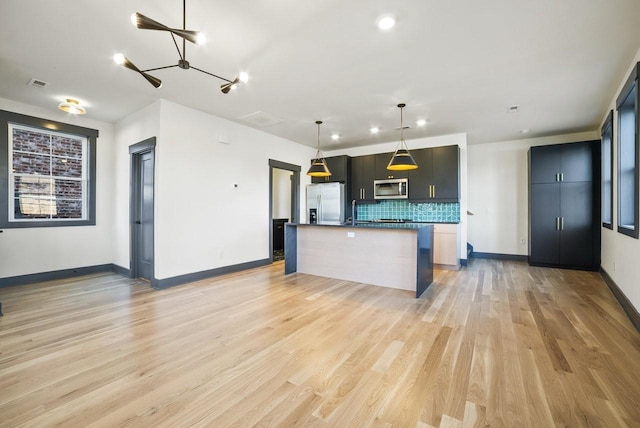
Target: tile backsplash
point(430, 211)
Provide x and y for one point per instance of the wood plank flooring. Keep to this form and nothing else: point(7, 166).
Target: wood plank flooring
point(496, 344)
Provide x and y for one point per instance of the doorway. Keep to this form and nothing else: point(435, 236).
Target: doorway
point(284, 204)
point(141, 216)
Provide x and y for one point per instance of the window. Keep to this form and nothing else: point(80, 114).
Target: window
point(50, 172)
point(607, 172)
point(627, 105)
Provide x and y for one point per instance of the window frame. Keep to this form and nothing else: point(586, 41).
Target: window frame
point(8, 118)
point(607, 132)
point(629, 86)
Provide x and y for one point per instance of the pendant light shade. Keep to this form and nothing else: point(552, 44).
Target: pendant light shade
point(319, 166)
point(402, 159)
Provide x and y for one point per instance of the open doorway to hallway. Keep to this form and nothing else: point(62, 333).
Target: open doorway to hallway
point(284, 203)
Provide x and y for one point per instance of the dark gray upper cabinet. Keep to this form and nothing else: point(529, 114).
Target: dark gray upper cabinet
point(558, 163)
point(340, 167)
point(437, 178)
point(362, 176)
point(382, 173)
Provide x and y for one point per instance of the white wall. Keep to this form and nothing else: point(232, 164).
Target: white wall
point(621, 253)
point(281, 193)
point(421, 143)
point(34, 250)
point(211, 199)
point(498, 192)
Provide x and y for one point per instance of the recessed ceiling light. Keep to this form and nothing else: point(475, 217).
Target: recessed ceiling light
point(243, 77)
point(386, 22)
point(374, 130)
point(524, 131)
point(72, 106)
point(335, 136)
point(421, 122)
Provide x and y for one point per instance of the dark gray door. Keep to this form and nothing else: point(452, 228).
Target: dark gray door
point(545, 222)
point(142, 183)
point(576, 246)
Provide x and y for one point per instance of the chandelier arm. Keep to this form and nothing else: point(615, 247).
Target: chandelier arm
point(177, 47)
point(211, 74)
point(158, 68)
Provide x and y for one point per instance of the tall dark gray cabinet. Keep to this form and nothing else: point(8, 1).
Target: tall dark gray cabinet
point(564, 205)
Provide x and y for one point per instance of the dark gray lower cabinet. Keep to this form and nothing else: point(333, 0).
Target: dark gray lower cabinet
point(564, 216)
point(561, 220)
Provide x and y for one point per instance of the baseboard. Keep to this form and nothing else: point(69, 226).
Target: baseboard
point(121, 271)
point(626, 304)
point(499, 256)
point(155, 283)
point(53, 275)
point(161, 284)
point(463, 262)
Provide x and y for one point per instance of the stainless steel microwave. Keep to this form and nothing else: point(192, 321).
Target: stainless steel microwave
point(396, 188)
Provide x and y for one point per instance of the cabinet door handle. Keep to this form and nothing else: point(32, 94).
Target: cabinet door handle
point(561, 223)
point(562, 176)
point(557, 223)
point(434, 190)
point(557, 176)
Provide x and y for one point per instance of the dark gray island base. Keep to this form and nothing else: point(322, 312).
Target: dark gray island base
point(389, 255)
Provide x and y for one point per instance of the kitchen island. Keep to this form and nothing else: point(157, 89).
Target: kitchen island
point(389, 255)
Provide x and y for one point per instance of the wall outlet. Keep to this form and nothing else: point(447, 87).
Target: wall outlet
point(351, 234)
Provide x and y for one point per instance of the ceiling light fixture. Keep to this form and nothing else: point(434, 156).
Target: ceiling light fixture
point(386, 23)
point(374, 130)
point(421, 122)
point(402, 159)
point(319, 166)
point(145, 23)
point(72, 106)
point(335, 137)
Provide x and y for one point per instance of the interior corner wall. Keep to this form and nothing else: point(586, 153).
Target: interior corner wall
point(620, 252)
point(281, 191)
point(211, 189)
point(131, 130)
point(498, 193)
point(420, 143)
point(25, 251)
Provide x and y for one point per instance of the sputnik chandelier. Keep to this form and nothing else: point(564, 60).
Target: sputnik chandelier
point(144, 23)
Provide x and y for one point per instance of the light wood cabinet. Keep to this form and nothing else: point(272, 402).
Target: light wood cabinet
point(445, 245)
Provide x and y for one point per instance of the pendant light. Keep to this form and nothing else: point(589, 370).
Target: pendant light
point(319, 166)
point(402, 159)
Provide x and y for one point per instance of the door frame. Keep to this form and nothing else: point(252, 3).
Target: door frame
point(135, 152)
point(295, 196)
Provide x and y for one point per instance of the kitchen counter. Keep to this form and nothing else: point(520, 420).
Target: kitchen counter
point(397, 255)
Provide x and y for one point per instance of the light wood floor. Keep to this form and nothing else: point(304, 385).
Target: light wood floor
point(498, 343)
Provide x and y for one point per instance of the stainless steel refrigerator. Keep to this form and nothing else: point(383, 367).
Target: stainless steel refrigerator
point(325, 203)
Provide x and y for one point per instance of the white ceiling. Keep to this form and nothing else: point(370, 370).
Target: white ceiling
point(457, 63)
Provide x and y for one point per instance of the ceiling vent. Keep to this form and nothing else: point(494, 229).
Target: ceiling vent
point(260, 119)
point(513, 109)
point(37, 83)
